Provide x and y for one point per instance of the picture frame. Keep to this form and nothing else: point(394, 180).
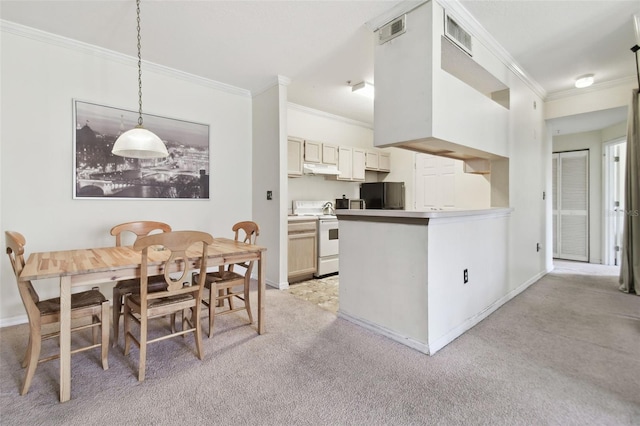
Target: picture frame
point(99, 174)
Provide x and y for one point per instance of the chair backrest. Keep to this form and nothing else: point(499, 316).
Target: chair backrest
point(246, 232)
point(251, 231)
point(15, 250)
point(140, 228)
point(181, 246)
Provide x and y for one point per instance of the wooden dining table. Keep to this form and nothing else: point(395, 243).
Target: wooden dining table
point(84, 267)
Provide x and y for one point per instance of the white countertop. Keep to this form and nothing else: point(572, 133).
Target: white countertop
point(430, 214)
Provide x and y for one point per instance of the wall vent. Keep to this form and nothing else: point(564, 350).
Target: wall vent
point(392, 30)
point(456, 34)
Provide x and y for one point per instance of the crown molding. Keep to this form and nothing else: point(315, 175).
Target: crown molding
point(90, 49)
point(279, 80)
point(630, 81)
point(328, 115)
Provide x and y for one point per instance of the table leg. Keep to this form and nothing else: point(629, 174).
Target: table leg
point(65, 338)
point(261, 291)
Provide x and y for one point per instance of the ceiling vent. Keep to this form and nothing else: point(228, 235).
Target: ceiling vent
point(392, 30)
point(456, 34)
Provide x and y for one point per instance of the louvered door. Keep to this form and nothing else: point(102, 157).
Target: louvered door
point(571, 205)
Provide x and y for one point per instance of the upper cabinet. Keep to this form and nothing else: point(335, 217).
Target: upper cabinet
point(320, 153)
point(437, 90)
point(294, 156)
point(350, 161)
point(351, 164)
point(329, 154)
point(377, 161)
point(312, 152)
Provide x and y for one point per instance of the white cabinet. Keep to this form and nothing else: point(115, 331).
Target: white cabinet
point(320, 153)
point(378, 161)
point(312, 152)
point(358, 164)
point(345, 163)
point(295, 149)
point(329, 154)
point(372, 160)
point(384, 162)
point(351, 163)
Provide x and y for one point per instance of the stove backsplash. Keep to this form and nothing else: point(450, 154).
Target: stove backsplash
point(316, 188)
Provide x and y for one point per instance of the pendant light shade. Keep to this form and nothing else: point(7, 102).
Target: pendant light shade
point(139, 142)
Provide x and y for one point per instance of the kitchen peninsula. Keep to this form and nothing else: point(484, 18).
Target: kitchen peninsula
point(423, 278)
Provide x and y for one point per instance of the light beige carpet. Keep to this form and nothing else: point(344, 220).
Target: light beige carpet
point(564, 352)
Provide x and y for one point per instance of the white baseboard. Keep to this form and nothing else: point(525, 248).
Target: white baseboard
point(471, 322)
point(407, 341)
point(8, 322)
point(433, 346)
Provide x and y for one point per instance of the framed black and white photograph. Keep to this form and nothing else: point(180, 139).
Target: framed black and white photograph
point(100, 174)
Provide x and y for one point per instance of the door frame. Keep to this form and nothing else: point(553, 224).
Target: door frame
point(609, 255)
point(558, 254)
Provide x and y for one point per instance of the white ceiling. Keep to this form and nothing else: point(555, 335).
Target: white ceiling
point(321, 45)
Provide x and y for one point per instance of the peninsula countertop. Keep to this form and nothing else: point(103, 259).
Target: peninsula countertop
point(421, 214)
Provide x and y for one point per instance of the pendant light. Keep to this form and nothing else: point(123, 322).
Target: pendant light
point(139, 142)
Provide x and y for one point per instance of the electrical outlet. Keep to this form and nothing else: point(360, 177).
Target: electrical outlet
point(466, 276)
point(269, 195)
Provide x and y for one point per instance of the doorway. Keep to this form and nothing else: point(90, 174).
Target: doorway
point(570, 186)
point(614, 162)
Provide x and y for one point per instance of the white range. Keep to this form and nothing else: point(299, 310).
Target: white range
point(328, 242)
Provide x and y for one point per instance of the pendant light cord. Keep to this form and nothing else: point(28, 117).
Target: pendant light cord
point(139, 67)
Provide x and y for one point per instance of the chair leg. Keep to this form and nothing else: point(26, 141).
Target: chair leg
point(97, 322)
point(117, 308)
point(27, 354)
point(104, 342)
point(229, 298)
point(212, 309)
point(35, 344)
point(143, 347)
point(125, 330)
point(173, 322)
point(247, 304)
point(195, 314)
point(184, 321)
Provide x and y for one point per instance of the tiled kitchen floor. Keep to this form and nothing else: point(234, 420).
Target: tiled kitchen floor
point(321, 291)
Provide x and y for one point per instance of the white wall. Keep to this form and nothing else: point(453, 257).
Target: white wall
point(529, 162)
point(592, 141)
point(41, 74)
point(269, 174)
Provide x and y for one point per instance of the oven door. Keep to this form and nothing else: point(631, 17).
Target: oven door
point(328, 237)
point(327, 246)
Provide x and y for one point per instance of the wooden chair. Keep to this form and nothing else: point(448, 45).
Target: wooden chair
point(180, 294)
point(140, 229)
point(229, 284)
point(87, 304)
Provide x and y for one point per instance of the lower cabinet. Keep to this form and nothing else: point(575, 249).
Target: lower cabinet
point(303, 249)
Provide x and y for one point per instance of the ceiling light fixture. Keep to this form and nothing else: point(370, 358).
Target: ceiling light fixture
point(139, 142)
point(363, 88)
point(584, 81)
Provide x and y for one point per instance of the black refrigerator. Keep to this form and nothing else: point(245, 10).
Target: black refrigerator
point(383, 195)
